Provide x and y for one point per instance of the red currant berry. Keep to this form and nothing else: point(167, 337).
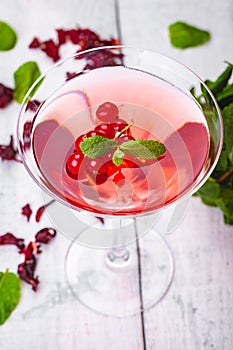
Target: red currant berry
point(73, 164)
point(91, 165)
point(105, 130)
point(107, 112)
point(92, 133)
point(101, 178)
point(118, 177)
point(124, 138)
point(119, 124)
point(127, 163)
point(80, 139)
point(109, 168)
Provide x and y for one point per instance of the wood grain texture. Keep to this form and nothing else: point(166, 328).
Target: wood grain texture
point(196, 314)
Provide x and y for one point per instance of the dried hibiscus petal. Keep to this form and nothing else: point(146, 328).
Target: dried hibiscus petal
point(71, 75)
point(32, 249)
point(51, 49)
point(48, 46)
point(26, 271)
point(84, 37)
point(41, 210)
point(27, 134)
point(8, 152)
point(27, 211)
point(62, 36)
point(33, 105)
point(101, 59)
point(6, 95)
point(35, 43)
point(45, 235)
point(9, 238)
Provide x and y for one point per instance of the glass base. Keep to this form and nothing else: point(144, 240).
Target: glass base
point(125, 285)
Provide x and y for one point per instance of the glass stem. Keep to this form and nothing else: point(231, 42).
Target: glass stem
point(119, 254)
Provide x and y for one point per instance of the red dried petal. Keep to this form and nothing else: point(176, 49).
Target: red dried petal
point(39, 213)
point(74, 35)
point(26, 271)
point(101, 59)
point(8, 152)
point(32, 249)
point(33, 105)
point(41, 210)
point(27, 135)
point(9, 238)
point(35, 43)
point(62, 36)
point(27, 211)
point(6, 95)
point(27, 130)
point(45, 235)
point(51, 49)
point(48, 46)
point(86, 39)
point(71, 75)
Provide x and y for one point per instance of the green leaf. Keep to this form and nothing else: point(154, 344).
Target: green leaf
point(227, 114)
point(118, 157)
point(96, 146)
point(210, 191)
point(225, 202)
point(8, 37)
point(9, 294)
point(225, 97)
point(24, 77)
point(145, 149)
point(183, 35)
point(218, 190)
point(218, 85)
point(222, 164)
point(228, 220)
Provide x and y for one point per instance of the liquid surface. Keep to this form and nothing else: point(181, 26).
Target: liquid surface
point(158, 110)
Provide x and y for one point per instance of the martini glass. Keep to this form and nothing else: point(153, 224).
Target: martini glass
point(122, 266)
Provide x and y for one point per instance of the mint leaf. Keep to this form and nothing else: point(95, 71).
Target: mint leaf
point(225, 202)
point(145, 149)
point(9, 294)
point(24, 77)
point(96, 146)
point(218, 190)
point(221, 82)
point(225, 97)
point(183, 35)
point(227, 115)
point(118, 157)
point(8, 37)
point(210, 191)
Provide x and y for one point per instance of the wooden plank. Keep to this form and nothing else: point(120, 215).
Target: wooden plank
point(196, 312)
point(51, 318)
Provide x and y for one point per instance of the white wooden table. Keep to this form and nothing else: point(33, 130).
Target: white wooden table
point(197, 312)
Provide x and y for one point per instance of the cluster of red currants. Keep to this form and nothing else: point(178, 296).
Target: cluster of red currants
point(97, 171)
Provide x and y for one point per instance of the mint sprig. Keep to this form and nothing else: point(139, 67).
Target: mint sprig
point(9, 294)
point(96, 146)
point(218, 189)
